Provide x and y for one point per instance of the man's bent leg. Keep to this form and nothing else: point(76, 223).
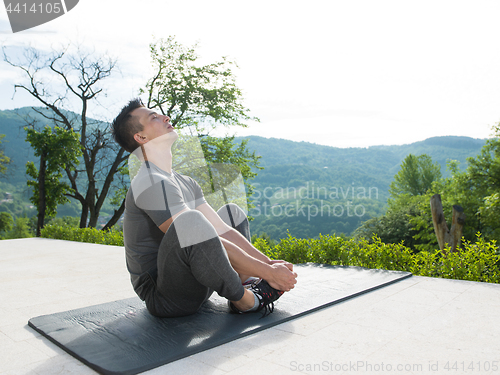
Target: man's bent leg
point(188, 275)
point(235, 217)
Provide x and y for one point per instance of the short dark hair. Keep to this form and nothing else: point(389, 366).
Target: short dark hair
point(124, 126)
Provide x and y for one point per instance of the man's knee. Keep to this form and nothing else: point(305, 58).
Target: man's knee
point(192, 228)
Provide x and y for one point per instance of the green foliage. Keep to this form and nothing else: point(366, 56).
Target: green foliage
point(91, 235)
point(58, 150)
point(476, 190)
point(485, 168)
point(189, 93)
point(291, 165)
point(453, 190)
point(72, 76)
point(21, 229)
point(396, 224)
point(68, 221)
point(478, 261)
point(226, 151)
point(336, 250)
point(415, 176)
point(264, 237)
point(6, 223)
point(4, 160)
point(489, 212)
point(483, 174)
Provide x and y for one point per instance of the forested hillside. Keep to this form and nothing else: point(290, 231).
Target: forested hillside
point(304, 188)
point(333, 190)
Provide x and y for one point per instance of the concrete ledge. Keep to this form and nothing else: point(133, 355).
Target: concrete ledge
point(417, 326)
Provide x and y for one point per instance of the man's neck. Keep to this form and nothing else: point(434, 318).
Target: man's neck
point(159, 152)
point(162, 160)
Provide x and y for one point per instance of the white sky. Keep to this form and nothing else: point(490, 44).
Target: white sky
point(341, 73)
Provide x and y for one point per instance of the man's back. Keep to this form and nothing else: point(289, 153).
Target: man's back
point(154, 197)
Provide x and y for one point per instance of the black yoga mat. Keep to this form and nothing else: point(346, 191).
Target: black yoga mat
point(123, 338)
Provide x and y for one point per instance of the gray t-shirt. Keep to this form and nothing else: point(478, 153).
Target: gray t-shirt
point(153, 197)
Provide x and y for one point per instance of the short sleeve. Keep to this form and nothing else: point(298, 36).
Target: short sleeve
point(161, 201)
point(199, 198)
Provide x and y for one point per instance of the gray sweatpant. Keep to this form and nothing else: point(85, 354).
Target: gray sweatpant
point(187, 276)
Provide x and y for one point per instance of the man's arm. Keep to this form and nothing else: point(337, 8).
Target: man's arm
point(280, 272)
point(166, 224)
point(278, 275)
point(231, 234)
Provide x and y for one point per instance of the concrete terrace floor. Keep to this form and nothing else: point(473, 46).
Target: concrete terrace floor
point(417, 326)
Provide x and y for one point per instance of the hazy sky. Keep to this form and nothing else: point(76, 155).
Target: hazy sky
point(341, 73)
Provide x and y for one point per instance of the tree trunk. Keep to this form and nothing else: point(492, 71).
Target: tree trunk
point(94, 216)
point(84, 216)
point(41, 194)
point(116, 216)
point(444, 235)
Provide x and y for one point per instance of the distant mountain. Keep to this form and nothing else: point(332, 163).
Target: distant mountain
point(280, 151)
point(334, 178)
point(304, 188)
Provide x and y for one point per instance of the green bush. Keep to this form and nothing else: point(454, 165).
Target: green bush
point(477, 261)
point(20, 229)
point(92, 235)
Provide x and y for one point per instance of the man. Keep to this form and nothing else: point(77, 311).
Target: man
point(178, 249)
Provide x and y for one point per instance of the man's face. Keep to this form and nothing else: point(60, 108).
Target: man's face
point(154, 124)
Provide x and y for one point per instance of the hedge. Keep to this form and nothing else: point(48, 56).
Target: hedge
point(478, 261)
point(92, 235)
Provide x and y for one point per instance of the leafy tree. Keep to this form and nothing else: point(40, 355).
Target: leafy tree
point(198, 99)
point(6, 222)
point(58, 149)
point(403, 220)
point(66, 83)
point(21, 229)
point(485, 168)
point(476, 190)
point(204, 96)
point(395, 225)
point(484, 171)
point(415, 176)
point(3, 158)
point(224, 150)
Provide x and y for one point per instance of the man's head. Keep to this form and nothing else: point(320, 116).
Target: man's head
point(137, 125)
point(125, 126)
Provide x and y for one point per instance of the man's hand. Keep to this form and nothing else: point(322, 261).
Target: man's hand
point(288, 264)
point(282, 276)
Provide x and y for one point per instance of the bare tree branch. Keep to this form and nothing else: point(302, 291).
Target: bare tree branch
point(79, 77)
